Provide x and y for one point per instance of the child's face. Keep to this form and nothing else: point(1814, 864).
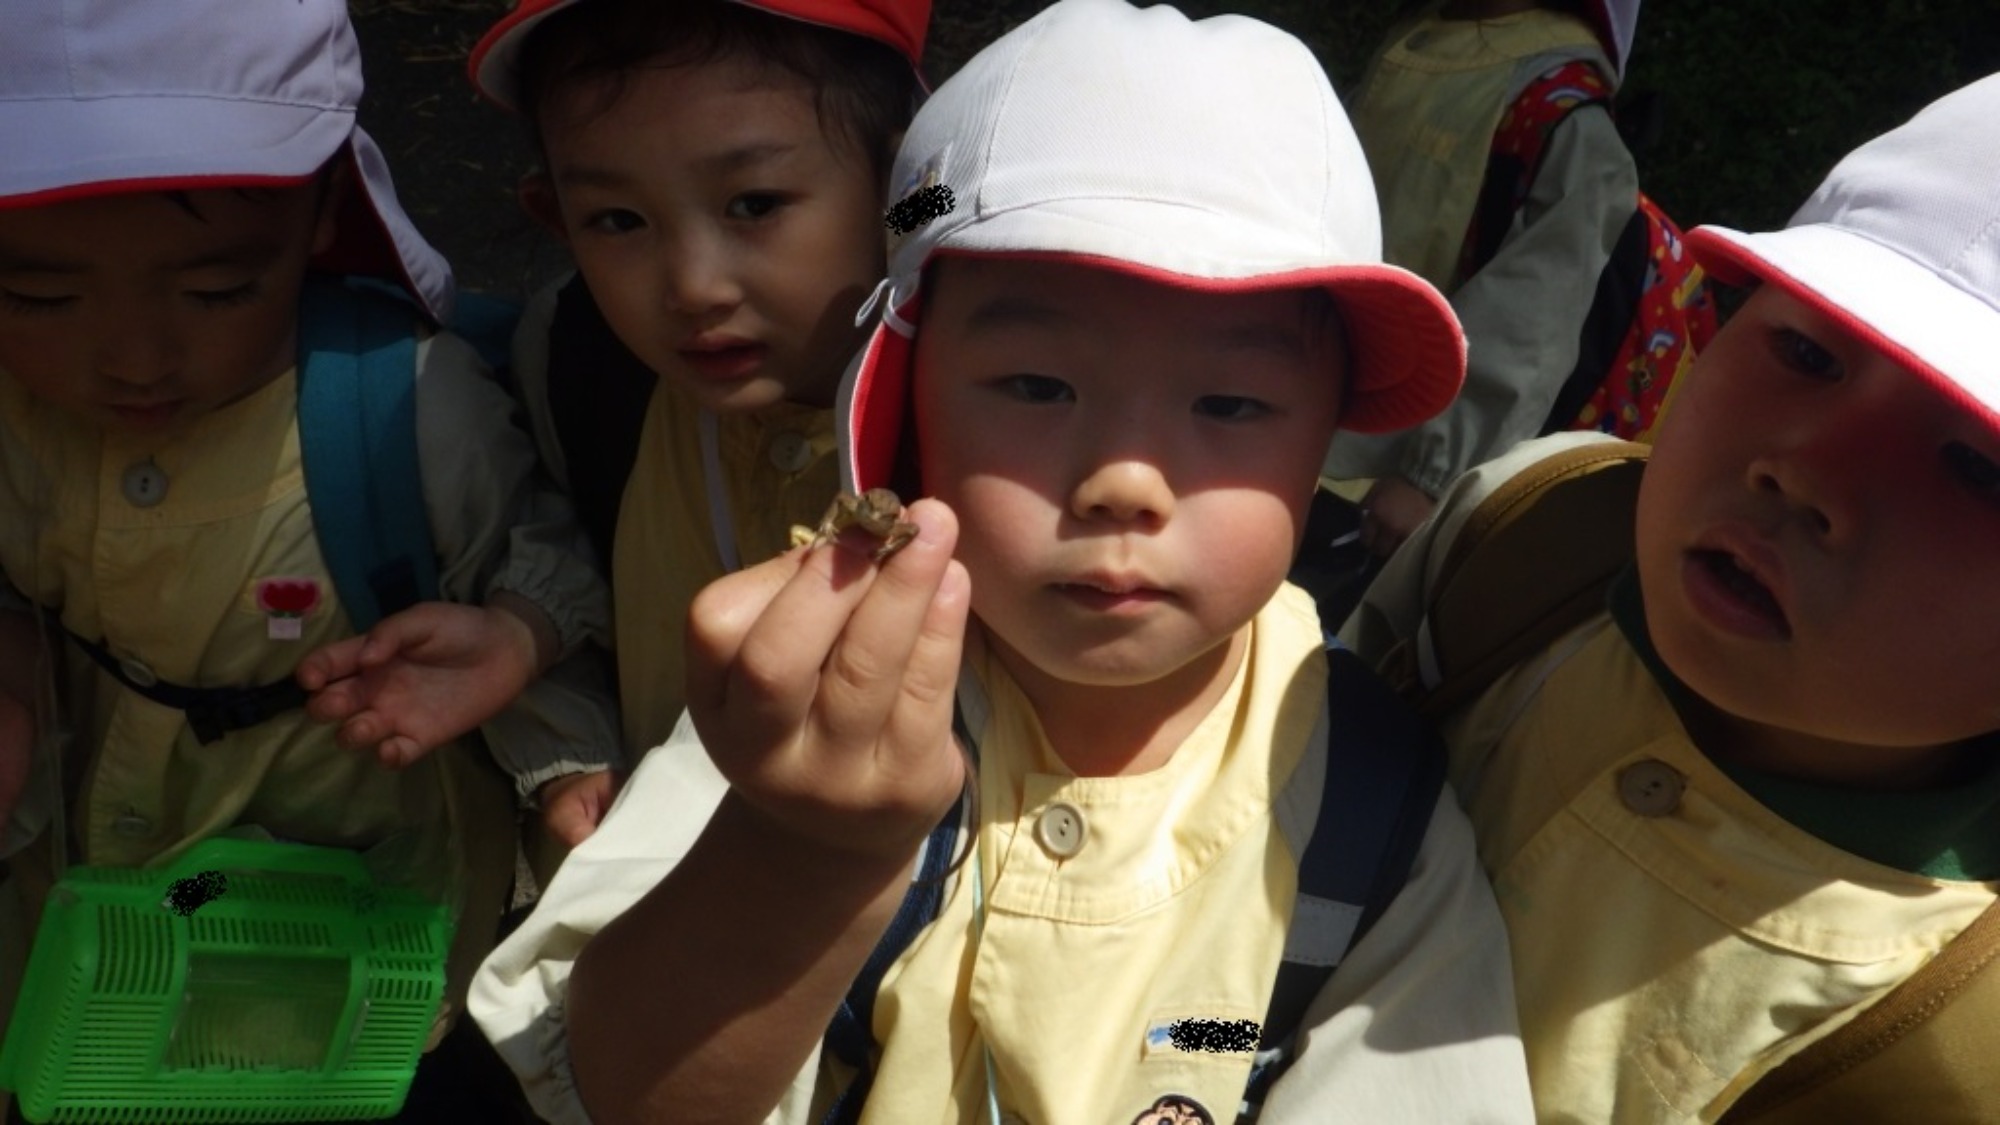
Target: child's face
point(1130, 464)
point(143, 312)
point(1866, 505)
point(727, 239)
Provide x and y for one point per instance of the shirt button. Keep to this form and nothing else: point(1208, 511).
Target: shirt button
point(1061, 830)
point(790, 452)
point(144, 484)
point(131, 826)
point(136, 671)
point(1651, 787)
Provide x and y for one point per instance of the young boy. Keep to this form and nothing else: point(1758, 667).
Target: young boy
point(169, 187)
point(1728, 815)
point(718, 171)
point(1115, 363)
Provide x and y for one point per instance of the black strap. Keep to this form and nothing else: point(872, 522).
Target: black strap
point(211, 712)
point(598, 392)
point(1384, 770)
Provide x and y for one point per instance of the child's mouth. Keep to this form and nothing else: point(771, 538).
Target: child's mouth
point(1724, 591)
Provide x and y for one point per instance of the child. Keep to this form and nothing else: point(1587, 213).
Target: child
point(1505, 184)
point(1729, 814)
point(719, 171)
point(174, 173)
point(1119, 357)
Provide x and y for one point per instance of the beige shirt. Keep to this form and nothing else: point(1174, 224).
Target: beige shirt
point(1673, 940)
point(708, 494)
point(1176, 906)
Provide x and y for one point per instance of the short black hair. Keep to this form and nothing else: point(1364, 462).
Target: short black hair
point(864, 91)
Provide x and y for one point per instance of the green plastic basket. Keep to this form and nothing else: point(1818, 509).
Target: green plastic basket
point(301, 992)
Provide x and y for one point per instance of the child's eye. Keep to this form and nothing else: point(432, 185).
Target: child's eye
point(613, 220)
point(30, 303)
point(1231, 408)
point(1037, 388)
point(1978, 471)
point(225, 298)
point(754, 205)
point(1800, 353)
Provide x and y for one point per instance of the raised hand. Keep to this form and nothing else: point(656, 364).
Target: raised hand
point(421, 678)
point(822, 686)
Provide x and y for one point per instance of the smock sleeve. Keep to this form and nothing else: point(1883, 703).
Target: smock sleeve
point(500, 523)
point(518, 995)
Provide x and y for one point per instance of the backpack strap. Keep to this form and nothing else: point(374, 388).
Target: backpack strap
point(1384, 770)
point(598, 396)
point(851, 1035)
point(1944, 1071)
point(1503, 593)
point(358, 443)
point(1515, 157)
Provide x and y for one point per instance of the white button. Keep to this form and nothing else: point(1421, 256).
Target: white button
point(790, 452)
point(1651, 787)
point(144, 484)
point(132, 826)
point(136, 670)
point(1061, 830)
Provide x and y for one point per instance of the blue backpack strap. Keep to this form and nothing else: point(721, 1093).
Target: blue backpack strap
point(851, 1035)
point(1384, 770)
point(358, 442)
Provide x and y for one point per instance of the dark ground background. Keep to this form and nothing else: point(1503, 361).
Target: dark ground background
point(1756, 99)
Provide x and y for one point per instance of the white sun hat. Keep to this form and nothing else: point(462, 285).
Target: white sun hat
point(1207, 155)
point(1901, 244)
point(101, 97)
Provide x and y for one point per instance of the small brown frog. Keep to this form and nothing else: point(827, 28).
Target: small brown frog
point(878, 511)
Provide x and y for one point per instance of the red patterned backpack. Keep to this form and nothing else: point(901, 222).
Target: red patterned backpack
point(1652, 311)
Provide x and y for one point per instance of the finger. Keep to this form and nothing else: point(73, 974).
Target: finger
point(328, 663)
point(865, 672)
point(392, 635)
point(768, 686)
point(337, 702)
point(364, 730)
point(721, 616)
point(399, 751)
point(920, 724)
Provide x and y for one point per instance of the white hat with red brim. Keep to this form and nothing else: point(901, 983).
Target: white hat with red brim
point(1900, 244)
point(101, 97)
point(1208, 155)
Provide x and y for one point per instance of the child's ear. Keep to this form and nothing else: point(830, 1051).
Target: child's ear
point(332, 199)
point(537, 193)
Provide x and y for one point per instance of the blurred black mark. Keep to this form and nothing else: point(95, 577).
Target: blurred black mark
point(920, 207)
point(185, 896)
point(1215, 1036)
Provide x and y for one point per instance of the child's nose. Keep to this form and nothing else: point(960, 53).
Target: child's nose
point(1822, 466)
point(136, 353)
point(700, 280)
point(1124, 490)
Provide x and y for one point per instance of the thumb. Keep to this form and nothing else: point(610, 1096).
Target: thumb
point(394, 634)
